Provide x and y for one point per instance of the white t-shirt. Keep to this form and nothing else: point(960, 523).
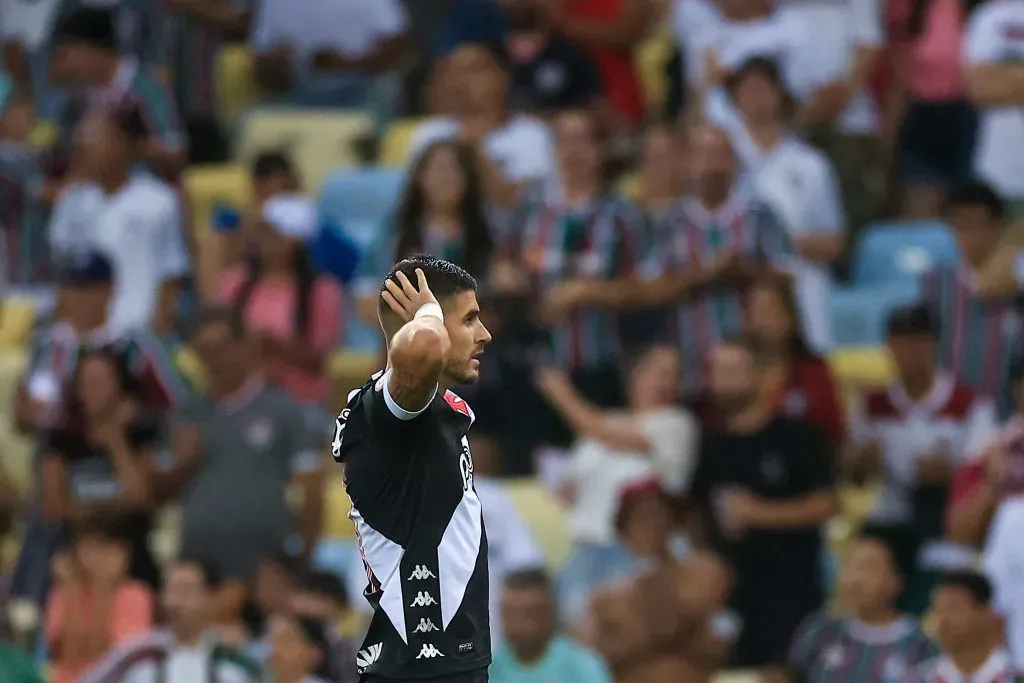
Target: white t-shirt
point(599, 473)
point(798, 181)
point(27, 22)
point(523, 148)
point(352, 27)
point(839, 28)
point(995, 34)
point(139, 228)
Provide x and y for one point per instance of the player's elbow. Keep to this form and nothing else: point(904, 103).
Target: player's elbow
point(421, 351)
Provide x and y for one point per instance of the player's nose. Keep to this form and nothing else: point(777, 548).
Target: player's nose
point(485, 336)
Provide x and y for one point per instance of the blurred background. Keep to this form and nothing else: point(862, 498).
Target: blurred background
point(706, 232)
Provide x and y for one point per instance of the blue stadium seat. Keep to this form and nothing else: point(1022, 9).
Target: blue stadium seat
point(366, 195)
point(900, 251)
point(859, 312)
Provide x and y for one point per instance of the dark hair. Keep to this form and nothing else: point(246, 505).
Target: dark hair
point(782, 285)
point(477, 242)
point(977, 193)
point(305, 277)
point(220, 315)
point(326, 585)
point(918, 320)
point(284, 561)
point(529, 579)
point(892, 557)
point(769, 68)
point(444, 278)
point(976, 585)
point(212, 578)
point(269, 163)
point(107, 528)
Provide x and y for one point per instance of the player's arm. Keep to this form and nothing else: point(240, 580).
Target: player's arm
point(418, 350)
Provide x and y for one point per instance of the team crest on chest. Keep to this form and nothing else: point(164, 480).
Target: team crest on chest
point(834, 657)
point(259, 432)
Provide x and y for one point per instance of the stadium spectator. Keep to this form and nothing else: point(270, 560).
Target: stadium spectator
point(799, 382)
point(912, 435)
point(322, 596)
point(548, 72)
point(797, 181)
point(968, 630)
point(764, 486)
point(273, 590)
point(101, 461)
point(512, 148)
point(930, 102)
point(610, 31)
point(238, 447)
point(134, 218)
point(570, 236)
point(443, 212)
point(327, 55)
point(533, 649)
point(87, 59)
point(196, 32)
point(140, 29)
point(25, 249)
point(16, 665)
point(188, 648)
point(872, 641)
point(98, 606)
point(991, 82)
point(663, 172)
point(294, 313)
point(978, 338)
point(299, 651)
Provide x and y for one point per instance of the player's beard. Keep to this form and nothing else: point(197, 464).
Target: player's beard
point(461, 371)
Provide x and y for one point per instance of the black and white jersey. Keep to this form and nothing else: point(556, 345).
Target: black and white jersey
point(420, 531)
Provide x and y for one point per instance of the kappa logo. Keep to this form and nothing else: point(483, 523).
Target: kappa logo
point(428, 651)
point(339, 432)
point(423, 599)
point(425, 626)
point(365, 658)
point(421, 573)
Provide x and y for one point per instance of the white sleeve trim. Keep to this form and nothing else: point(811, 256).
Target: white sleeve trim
point(397, 410)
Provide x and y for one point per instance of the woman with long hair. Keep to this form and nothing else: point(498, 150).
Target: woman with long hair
point(295, 312)
point(442, 213)
point(798, 382)
point(100, 463)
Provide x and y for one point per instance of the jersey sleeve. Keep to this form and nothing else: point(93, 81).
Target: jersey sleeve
point(383, 407)
point(372, 406)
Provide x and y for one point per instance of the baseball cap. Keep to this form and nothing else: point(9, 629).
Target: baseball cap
point(85, 267)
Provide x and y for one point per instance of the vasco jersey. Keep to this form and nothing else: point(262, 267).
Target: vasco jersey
point(420, 531)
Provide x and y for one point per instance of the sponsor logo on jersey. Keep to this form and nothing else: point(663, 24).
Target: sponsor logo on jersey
point(339, 432)
point(365, 658)
point(421, 573)
point(428, 651)
point(423, 599)
point(466, 465)
point(425, 626)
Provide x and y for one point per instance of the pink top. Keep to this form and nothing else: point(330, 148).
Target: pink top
point(131, 615)
point(271, 308)
point(934, 72)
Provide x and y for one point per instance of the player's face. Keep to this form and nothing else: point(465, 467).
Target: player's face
point(976, 231)
point(733, 378)
point(769, 318)
point(758, 97)
point(914, 355)
point(97, 385)
point(958, 619)
point(185, 597)
point(527, 616)
point(867, 580)
point(468, 337)
point(289, 651)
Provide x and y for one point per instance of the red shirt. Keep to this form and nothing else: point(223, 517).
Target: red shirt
point(619, 79)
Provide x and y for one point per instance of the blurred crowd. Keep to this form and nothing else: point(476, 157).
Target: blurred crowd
point(681, 214)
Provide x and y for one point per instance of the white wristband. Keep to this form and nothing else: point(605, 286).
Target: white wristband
point(430, 310)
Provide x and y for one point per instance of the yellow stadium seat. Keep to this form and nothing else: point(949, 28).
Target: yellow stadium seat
point(43, 136)
point(233, 81)
point(629, 187)
point(650, 62)
point(208, 186)
point(351, 370)
point(319, 141)
point(862, 367)
point(17, 451)
point(397, 143)
point(17, 318)
point(545, 516)
point(737, 677)
point(337, 526)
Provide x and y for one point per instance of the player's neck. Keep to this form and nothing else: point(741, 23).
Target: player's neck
point(969, 659)
point(766, 134)
point(878, 618)
point(917, 388)
point(529, 654)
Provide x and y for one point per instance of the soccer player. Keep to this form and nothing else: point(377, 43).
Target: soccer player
point(408, 470)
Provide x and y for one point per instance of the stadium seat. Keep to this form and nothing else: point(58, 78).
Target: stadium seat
point(650, 60)
point(900, 251)
point(233, 81)
point(738, 676)
point(630, 187)
point(545, 517)
point(43, 136)
point(364, 196)
point(859, 312)
point(864, 367)
point(397, 144)
point(208, 186)
point(17, 318)
point(17, 451)
point(320, 141)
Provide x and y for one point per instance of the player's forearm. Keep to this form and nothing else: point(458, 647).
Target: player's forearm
point(416, 357)
point(969, 519)
point(994, 85)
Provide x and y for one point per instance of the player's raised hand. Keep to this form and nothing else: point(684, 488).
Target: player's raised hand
point(404, 298)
